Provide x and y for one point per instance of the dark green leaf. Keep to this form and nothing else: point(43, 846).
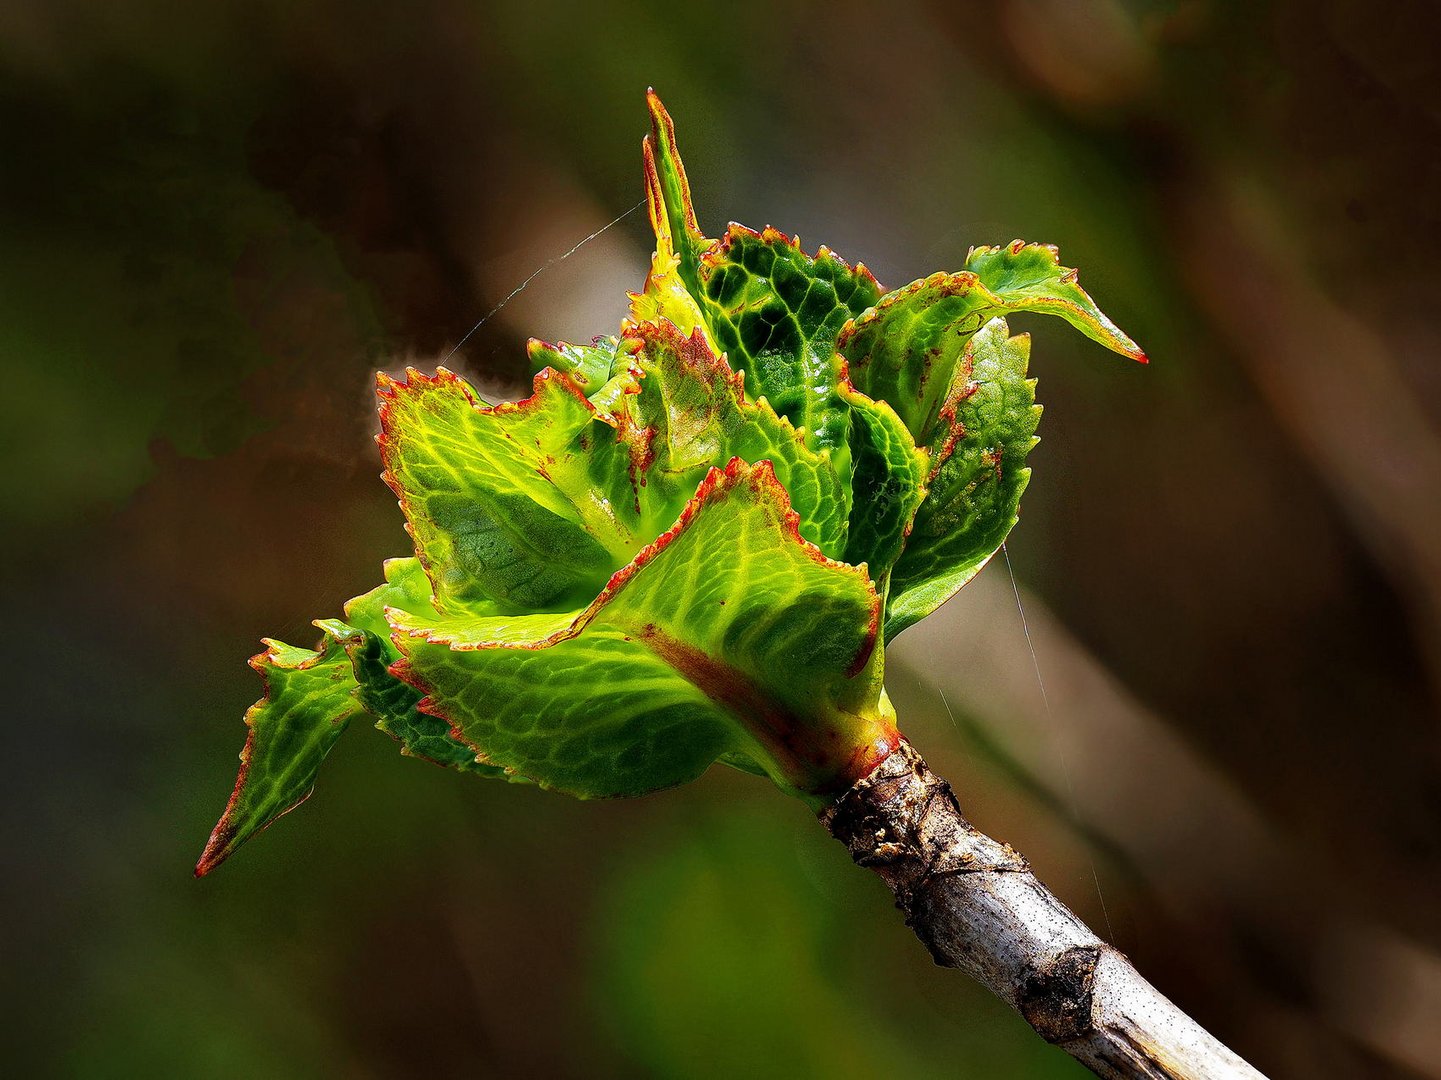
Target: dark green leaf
point(365, 636)
point(771, 308)
point(888, 477)
point(977, 477)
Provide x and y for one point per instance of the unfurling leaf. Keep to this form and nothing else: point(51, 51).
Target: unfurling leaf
point(518, 504)
point(774, 310)
point(692, 413)
point(589, 366)
point(692, 541)
point(308, 702)
point(728, 634)
point(393, 703)
point(906, 349)
point(1030, 277)
point(888, 473)
point(984, 430)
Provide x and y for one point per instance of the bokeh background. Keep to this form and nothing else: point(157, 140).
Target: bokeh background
point(217, 220)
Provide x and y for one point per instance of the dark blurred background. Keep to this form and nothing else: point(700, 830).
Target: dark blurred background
point(217, 220)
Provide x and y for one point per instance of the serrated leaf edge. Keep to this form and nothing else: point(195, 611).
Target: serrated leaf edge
point(388, 389)
point(717, 484)
point(225, 830)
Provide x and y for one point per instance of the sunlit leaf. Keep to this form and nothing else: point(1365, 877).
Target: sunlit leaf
point(690, 412)
point(906, 349)
point(1030, 277)
point(310, 698)
point(729, 634)
point(589, 366)
point(526, 504)
point(691, 541)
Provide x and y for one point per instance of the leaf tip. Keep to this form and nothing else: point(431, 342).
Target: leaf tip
point(215, 851)
point(222, 841)
point(665, 174)
point(1122, 345)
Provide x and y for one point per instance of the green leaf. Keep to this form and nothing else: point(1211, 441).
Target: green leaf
point(528, 505)
point(690, 413)
point(668, 193)
point(406, 587)
point(976, 480)
point(307, 705)
point(774, 310)
point(961, 391)
point(310, 698)
point(589, 366)
point(1030, 277)
point(905, 350)
point(672, 288)
point(365, 636)
point(728, 635)
point(542, 634)
point(665, 297)
point(888, 474)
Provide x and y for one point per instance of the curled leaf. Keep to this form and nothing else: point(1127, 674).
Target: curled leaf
point(729, 634)
point(771, 308)
point(888, 474)
point(985, 429)
point(525, 504)
point(905, 350)
point(694, 414)
point(692, 540)
point(1030, 277)
point(307, 704)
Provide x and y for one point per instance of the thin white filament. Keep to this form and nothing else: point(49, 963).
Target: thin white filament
point(1060, 748)
point(535, 274)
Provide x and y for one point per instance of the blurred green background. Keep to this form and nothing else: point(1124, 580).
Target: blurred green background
point(216, 221)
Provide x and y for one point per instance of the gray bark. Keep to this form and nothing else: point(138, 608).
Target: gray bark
point(976, 905)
